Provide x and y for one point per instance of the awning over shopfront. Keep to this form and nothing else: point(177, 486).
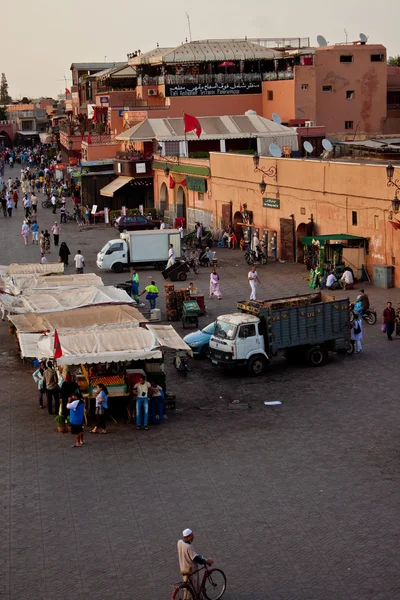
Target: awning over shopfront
point(110, 189)
point(104, 317)
point(25, 284)
point(46, 138)
point(168, 337)
point(334, 237)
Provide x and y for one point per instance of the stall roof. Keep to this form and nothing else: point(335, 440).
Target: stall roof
point(106, 317)
point(338, 237)
point(56, 300)
point(167, 336)
point(110, 189)
point(32, 269)
point(25, 284)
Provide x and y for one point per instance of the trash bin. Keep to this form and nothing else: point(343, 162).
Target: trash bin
point(176, 272)
point(383, 276)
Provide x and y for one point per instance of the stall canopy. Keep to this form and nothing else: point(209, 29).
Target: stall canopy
point(167, 336)
point(23, 284)
point(334, 237)
point(99, 346)
point(56, 300)
point(33, 269)
point(105, 317)
point(110, 189)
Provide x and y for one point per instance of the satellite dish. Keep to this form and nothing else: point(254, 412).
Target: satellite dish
point(276, 118)
point(321, 41)
point(275, 151)
point(37, 104)
point(308, 148)
point(326, 144)
point(363, 38)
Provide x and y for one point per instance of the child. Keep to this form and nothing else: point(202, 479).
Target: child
point(77, 416)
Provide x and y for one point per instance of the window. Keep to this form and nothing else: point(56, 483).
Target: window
point(349, 124)
point(200, 196)
point(346, 58)
point(270, 95)
point(377, 57)
point(326, 88)
point(115, 248)
point(304, 86)
point(376, 222)
point(172, 148)
point(141, 220)
point(350, 94)
point(354, 217)
point(247, 331)
point(302, 211)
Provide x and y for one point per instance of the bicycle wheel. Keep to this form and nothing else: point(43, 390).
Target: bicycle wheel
point(182, 592)
point(215, 584)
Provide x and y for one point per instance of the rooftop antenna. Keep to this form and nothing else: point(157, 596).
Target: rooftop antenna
point(190, 29)
point(321, 41)
point(363, 38)
point(345, 33)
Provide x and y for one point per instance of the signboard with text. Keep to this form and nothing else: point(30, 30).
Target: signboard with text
point(214, 89)
point(196, 184)
point(271, 203)
point(103, 99)
point(140, 167)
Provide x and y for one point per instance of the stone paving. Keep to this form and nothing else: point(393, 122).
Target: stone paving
point(294, 502)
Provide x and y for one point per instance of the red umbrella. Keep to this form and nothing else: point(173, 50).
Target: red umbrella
point(227, 63)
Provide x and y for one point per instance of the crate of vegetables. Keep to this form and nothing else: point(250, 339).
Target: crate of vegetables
point(114, 383)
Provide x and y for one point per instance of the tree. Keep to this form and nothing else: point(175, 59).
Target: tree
point(394, 61)
point(5, 97)
point(3, 113)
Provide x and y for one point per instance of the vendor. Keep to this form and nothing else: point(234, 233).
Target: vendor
point(331, 281)
point(152, 294)
point(192, 289)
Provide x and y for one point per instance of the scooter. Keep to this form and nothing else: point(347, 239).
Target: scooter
point(369, 315)
point(181, 363)
point(253, 256)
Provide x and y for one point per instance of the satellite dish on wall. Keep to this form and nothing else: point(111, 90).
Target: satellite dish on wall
point(327, 145)
point(363, 38)
point(275, 151)
point(321, 41)
point(276, 118)
point(308, 148)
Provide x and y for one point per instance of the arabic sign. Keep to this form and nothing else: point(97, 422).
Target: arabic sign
point(103, 99)
point(271, 203)
point(213, 89)
point(196, 184)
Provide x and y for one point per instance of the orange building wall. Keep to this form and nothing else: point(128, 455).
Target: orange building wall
point(99, 152)
point(305, 99)
point(283, 99)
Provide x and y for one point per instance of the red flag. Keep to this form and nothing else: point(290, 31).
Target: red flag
point(57, 346)
point(192, 124)
point(67, 91)
point(394, 225)
point(89, 139)
point(171, 183)
point(183, 183)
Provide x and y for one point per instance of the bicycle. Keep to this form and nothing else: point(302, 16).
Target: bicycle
point(213, 586)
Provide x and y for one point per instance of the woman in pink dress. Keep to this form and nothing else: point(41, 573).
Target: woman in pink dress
point(214, 285)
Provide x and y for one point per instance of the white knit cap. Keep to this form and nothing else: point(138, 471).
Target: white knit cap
point(187, 532)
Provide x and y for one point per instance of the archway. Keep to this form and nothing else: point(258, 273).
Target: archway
point(181, 204)
point(5, 139)
point(163, 198)
point(301, 232)
point(237, 224)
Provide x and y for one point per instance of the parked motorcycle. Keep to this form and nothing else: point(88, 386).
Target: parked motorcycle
point(181, 363)
point(253, 256)
point(369, 315)
point(193, 265)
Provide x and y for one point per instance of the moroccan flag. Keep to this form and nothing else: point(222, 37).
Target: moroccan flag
point(171, 183)
point(192, 124)
point(395, 225)
point(57, 346)
point(67, 91)
point(89, 139)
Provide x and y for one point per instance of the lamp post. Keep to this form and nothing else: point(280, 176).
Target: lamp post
point(271, 172)
point(393, 183)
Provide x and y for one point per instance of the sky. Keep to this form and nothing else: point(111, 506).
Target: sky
point(41, 39)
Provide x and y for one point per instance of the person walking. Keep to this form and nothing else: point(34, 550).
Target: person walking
point(189, 560)
point(55, 230)
point(68, 387)
point(63, 213)
point(101, 408)
point(79, 261)
point(47, 241)
point(64, 253)
point(9, 206)
point(152, 294)
point(141, 391)
point(15, 198)
point(42, 242)
point(214, 285)
point(388, 319)
point(34, 202)
point(76, 408)
point(134, 285)
point(87, 215)
point(171, 256)
point(3, 205)
point(52, 389)
point(35, 233)
point(253, 281)
point(39, 379)
point(25, 232)
point(54, 203)
point(357, 332)
point(27, 206)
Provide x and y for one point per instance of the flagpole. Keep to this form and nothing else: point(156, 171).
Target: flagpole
point(184, 129)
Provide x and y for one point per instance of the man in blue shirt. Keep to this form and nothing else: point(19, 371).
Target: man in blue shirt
point(77, 416)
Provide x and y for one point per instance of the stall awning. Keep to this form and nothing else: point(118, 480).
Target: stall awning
point(32, 269)
point(26, 284)
point(110, 189)
point(168, 337)
point(334, 237)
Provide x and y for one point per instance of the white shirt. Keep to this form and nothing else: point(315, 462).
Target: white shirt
point(142, 388)
point(256, 242)
point(347, 277)
point(171, 253)
point(55, 230)
point(181, 231)
point(79, 260)
point(162, 226)
point(252, 276)
point(331, 279)
point(43, 260)
point(53, 200)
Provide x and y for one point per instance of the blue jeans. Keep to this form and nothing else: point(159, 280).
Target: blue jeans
point(142, 402)
point(152, 303)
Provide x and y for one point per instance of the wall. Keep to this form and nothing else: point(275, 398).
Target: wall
point(117, 99)
point(97, 152)
point(283, 99)
point(330, 191)
point(305, 100)
point(368, 80)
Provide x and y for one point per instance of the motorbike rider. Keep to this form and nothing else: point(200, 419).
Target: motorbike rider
point(362, 303)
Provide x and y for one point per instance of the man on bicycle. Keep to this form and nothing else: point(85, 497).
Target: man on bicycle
point(189, 560)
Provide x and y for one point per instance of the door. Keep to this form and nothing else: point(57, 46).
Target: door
point(226, 215)
point(287, 240)
point(300, 233)
point(248, 340)
point(116, 253)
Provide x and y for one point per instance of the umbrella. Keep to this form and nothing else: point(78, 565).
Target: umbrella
point(227, 63)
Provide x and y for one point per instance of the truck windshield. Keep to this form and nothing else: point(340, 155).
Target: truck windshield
point(105, 248)
point(225, 331)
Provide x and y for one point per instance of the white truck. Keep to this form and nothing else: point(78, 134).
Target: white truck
point(139, 249)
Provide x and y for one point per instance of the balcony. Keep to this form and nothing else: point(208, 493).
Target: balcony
point(199, 79)
point(101, 140)
point(278, 75)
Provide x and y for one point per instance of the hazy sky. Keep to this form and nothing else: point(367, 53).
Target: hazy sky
point(40, 39)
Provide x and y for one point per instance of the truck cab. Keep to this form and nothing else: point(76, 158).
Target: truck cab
point(238, 340)
point(113, 255)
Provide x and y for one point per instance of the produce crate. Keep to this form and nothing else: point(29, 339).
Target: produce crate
point(113, 390)
point(191, 308)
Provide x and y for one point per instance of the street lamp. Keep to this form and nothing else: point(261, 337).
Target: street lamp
point(256, 159)
point(166, 171)
point(390, 171)
point(396, 203)
point(393, 183)
point(263, 186)
point(271, 172)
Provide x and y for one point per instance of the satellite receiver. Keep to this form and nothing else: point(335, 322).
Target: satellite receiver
point(276, 118)
point(275, 151)
point(308, 148)
point(363, 38)
point(327, 146)
point(321, 41)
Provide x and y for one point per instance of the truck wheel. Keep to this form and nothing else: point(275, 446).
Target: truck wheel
point(316, 356)
point(117, 267)
point(257, 365)
point(349, 347)
point(182, 276)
